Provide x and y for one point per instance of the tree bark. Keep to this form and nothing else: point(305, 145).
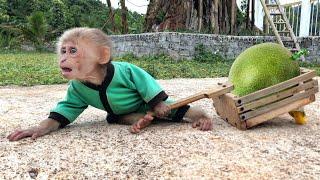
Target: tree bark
point(217, 16)
point(124, 21)
point(111, 16)
point(233, 16)
point(252, 15)
point(200, 12)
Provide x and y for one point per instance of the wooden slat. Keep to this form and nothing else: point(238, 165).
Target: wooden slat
point(277, 96)
point(304, 70)
point(224, 88)
point(272, 5)
point(284, 32)
point(278, 104)
point(275, 13)
point(214, 92)
point(226, 109)
point(188, 100)
point(275, 88)
point(277, 112)
point(279, 22)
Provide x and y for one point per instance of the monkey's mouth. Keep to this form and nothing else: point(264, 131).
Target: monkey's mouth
point(65, 69)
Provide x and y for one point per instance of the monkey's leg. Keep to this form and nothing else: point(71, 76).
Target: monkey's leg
point(137, 120)
point(130, 119)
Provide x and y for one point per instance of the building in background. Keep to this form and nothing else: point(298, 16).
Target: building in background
point(303, 15)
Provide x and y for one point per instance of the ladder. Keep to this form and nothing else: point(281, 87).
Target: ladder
point(280, 25)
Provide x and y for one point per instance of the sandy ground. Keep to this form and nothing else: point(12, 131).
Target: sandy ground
point(91, 148)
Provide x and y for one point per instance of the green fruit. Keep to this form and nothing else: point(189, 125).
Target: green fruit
point(261, 66)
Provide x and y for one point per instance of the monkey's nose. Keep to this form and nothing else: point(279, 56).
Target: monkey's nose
point(63, 60)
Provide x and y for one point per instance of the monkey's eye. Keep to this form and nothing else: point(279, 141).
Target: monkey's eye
point(63, 50)
point(73, 50)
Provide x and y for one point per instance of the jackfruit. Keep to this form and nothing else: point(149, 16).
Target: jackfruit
point(261, 66)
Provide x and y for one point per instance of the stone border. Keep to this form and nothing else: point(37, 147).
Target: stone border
point(182, 45)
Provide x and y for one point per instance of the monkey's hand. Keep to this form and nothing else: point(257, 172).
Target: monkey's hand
point(44, 128)
point(161, 110)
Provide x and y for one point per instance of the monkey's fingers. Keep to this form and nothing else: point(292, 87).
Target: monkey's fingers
point(134, 129)
point(196, 124)
point(206, 125)
point(12, 134)
point(22, 135)
point(203, 125)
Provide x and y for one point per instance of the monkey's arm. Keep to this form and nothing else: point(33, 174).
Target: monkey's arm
point(45, 127)
point(67, 110)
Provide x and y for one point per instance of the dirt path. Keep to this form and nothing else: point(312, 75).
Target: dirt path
point(91, 148)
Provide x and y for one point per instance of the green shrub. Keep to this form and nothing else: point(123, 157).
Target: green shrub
point(204, 55)
point(10, 37)
point(36, 29)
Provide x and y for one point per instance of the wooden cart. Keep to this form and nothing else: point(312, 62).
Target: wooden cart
point(255, 108)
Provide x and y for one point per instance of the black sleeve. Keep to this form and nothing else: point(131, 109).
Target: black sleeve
point(59, 118)
point(162, 96)
point(181, 111)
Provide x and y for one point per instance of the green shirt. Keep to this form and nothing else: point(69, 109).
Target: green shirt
point(125, 89)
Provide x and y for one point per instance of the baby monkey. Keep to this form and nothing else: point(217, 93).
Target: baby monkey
point(122, 89)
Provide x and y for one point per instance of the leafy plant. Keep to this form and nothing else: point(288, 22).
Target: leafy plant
point(36, 29)
point(297, 55)
point(10, 36)
point(203, 55)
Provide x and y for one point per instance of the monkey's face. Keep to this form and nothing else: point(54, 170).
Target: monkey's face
point(78, 60)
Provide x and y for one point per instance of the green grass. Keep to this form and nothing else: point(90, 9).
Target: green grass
point(163, 67)
point(26, 69)
point(32, 68)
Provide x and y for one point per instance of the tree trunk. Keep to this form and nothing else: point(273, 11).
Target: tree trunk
point(216, 16)
point(191, 15)
point(111, 16)
point(252, 15)
point(200, 15)
point(248, 14)
point(233, 16)
point(124, 21)
point(221, 14)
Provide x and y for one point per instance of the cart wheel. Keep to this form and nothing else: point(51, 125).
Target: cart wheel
point(299, 117)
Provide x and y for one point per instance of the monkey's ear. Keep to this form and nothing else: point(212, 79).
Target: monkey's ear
point(105, 55)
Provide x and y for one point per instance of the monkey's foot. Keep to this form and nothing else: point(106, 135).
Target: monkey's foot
point(203, 124)
point(299, 117)
point(141, 123)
